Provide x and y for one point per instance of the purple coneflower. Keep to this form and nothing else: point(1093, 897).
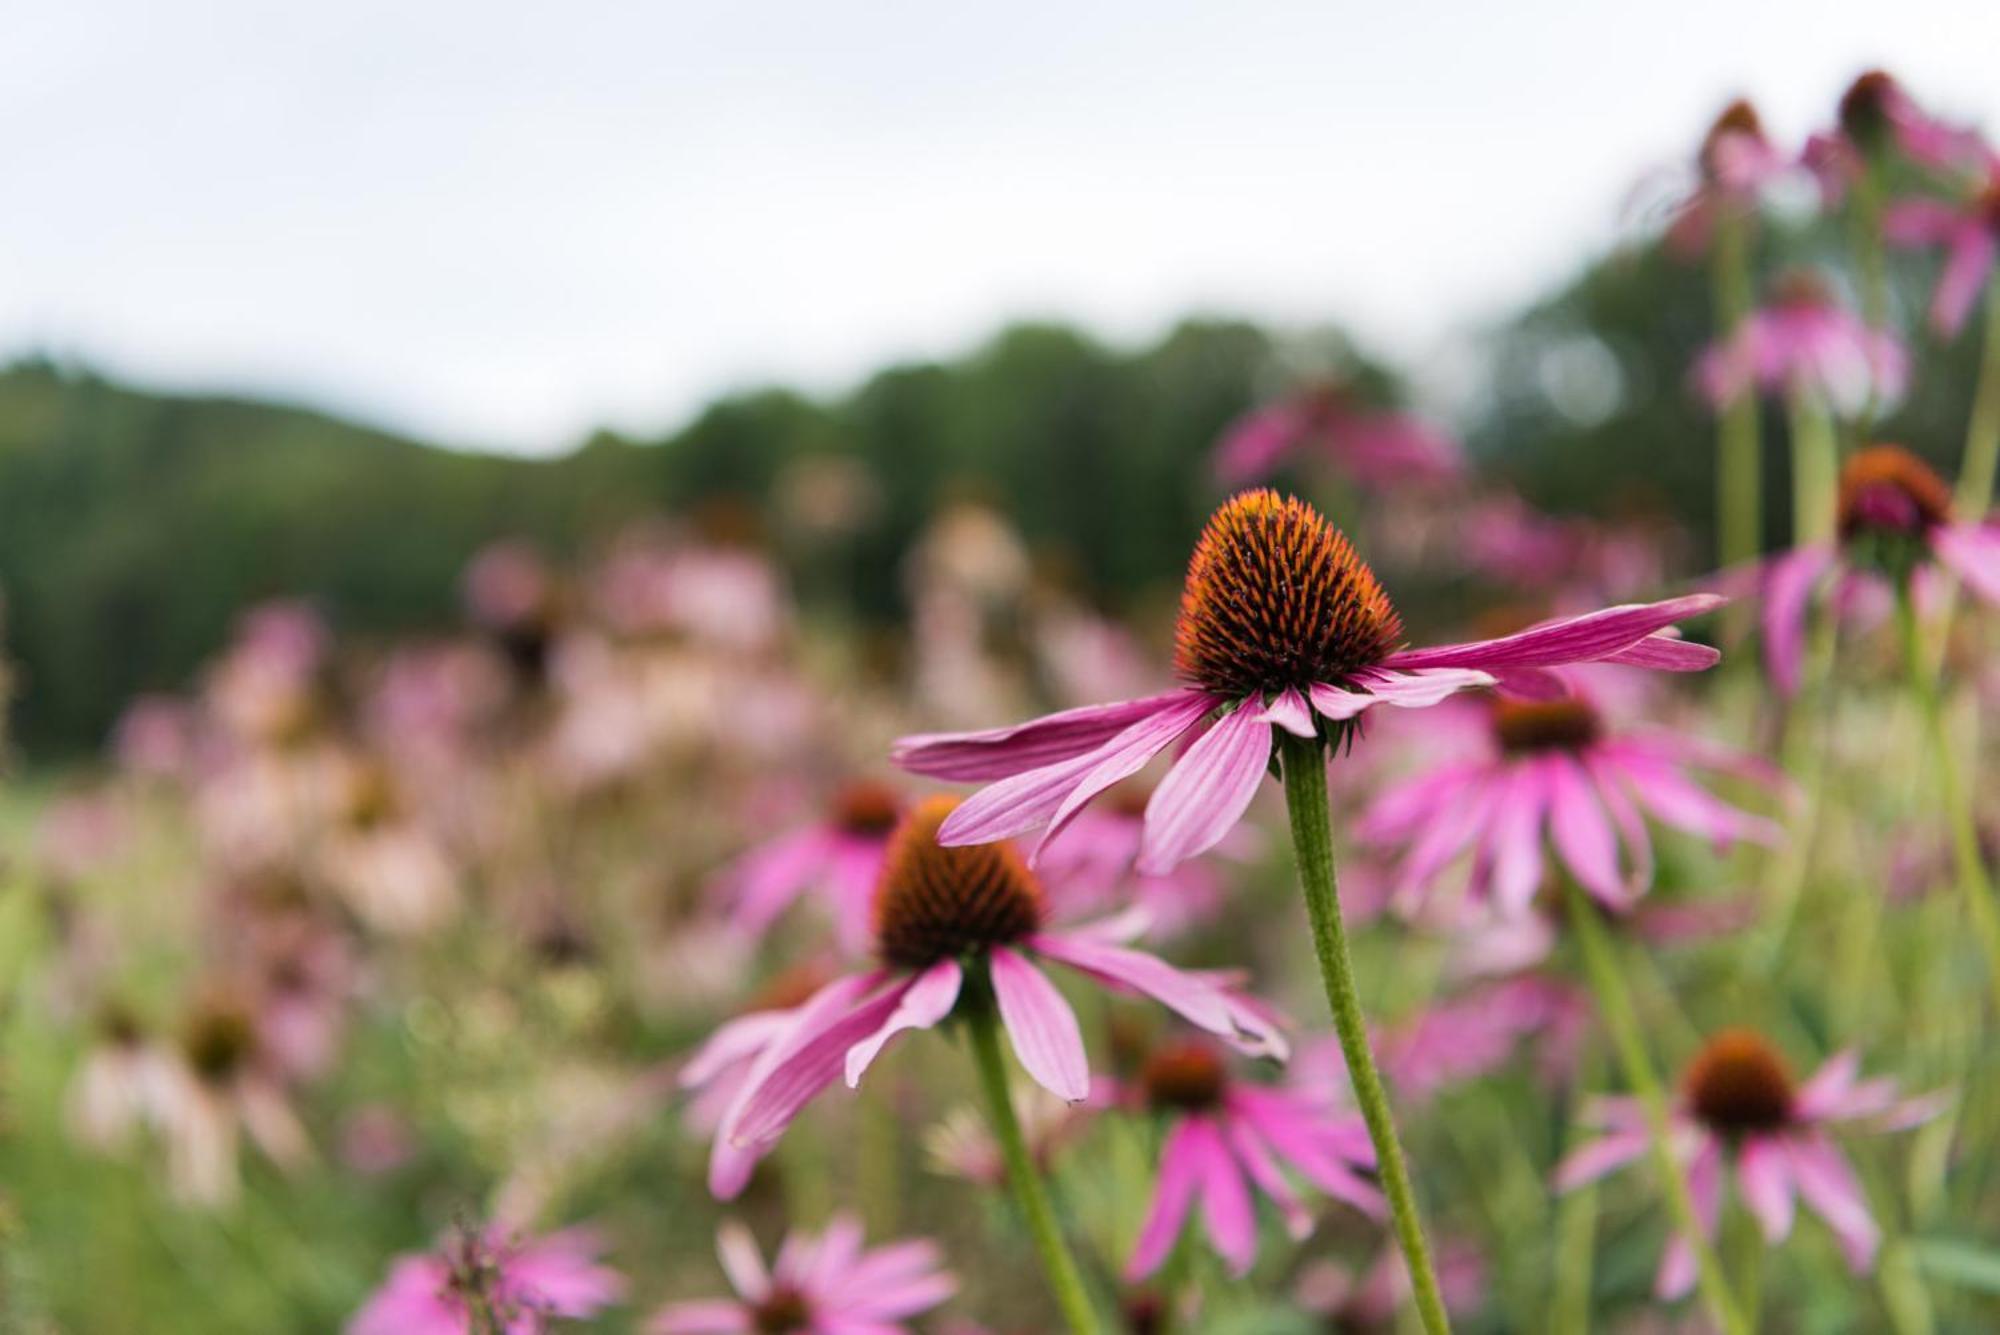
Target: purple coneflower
point(840, 854)
point(1376, 447)
point(824, 1284)
point(1877, 113)
point(1282, 628)
point(1738, 1111)
point(486, 1281)
point(1557, 773)
point(1230, 1134)
point(1968, 232)
point(1893, 521)
point(1804, 343)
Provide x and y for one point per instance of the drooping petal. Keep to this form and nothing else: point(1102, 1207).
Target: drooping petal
point(703, 1318)
point(1206, 792)
point(1193, 999)
point(1966, 267)
point(765, 883)
point(1673, 798)
point(1042, 1026)
point(1123, 756)
point(1515, 838)
point(1607, 1154)
point(733, 1041)
point(1232, 1225)
point(742, 1262)
point(808, 1059)
point(1664, 652)
point(1288, 710)
point(1830, 1187)
point(1270, 1179)
point(1420, 688)
point(926, 1001)
point(1581, 832)
point(1181, 1169)
point(999, 752)
point(1972, 552)
point(1704, 1182)
point(1788, 587)
point(1763, 1170)
point(1580, 639)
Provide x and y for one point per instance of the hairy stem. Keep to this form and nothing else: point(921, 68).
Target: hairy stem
point(1304, 762)
point(1030, 1192)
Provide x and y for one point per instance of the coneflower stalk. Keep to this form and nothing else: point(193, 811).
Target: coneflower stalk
point(1607, 978)
point(1982, 430)
point(1739, 465)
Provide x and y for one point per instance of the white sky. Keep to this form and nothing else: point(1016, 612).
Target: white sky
point(500, 224)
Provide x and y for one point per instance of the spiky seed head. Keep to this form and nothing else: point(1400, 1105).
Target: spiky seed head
point(1738, 1084)
point(1276, 598)
point(1864, 108)
point(1885, 489)
point(865, 807)
point(934, 903)
point(1738, 119)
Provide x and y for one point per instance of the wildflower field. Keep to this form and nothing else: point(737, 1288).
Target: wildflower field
point(1424, 910)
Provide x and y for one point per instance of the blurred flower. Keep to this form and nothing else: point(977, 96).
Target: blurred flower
point(512, 595)
point(1475, 1034)
point(1377, 447)
point(839, 855)
point(1357, 1300)
point(1278, 610)
point(1735, 164)
point(265, 689)
point(1876, 114)
point(124, 1083)
point(78, 833)
point(1894, 522)
point(484, 1281)
point(155, 737)
point(376, 1139)
point(223, 1086)
point(1089, 868)
point(961, 1143)
point(1554, 771)
point(936, 907)
point(1225, 1131)
point(1805, 343)
point(824, 1284)
point(1738, 1110)
point(1968, 232)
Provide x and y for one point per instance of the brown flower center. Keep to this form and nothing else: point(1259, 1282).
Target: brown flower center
point(1277, 598)
point(1885, 489)
point(1738, 1084)
point(218, 1039)
point(790, 989)
point(1184, 1076)
point(935, 902)
point(784, 1311)
point(1521, 726)
point(866, 807)
point(1739, 118)
point(1864, 107)
point(1801, 290)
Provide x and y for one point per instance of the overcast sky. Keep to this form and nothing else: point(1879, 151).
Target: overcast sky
point(501, 224)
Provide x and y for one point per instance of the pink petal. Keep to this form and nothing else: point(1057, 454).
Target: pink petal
point(733, 1041)
point(1206, 792)
point(926, 1001)
point(1663, 652)
point(1671, 797)
point(1788, 585)
point(1829, 1186)
point(762, 885)
point(1920, 222)
point(742, 1262)
point(1232, 1226)
point(1631, 827)
point(1194, 1000)
point(1252, 447)
point(1423, 687)
point(1051, 793)
point(1762, 1170)
point(730, 1167)
point(1264, 1171)
point(1587, 1163)
point(1972, 552)
point(1338, 705)
point(793, 1071)
point(1582, 834)
point(999, 752)
point(704, 1318)
point(1825, 1091)
point(1289, 711)
point(1181, 1169)
point(1704, 1180)
point(1966, 267)
point(1041, 1025)
point(1581, 639)
point(1515, 837)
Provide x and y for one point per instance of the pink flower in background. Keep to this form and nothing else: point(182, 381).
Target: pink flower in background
point(935, 907)
point(1739, 1112)
point(961, 1144)
point(1477, 1033)
point(1804, 342)
point(1894, 524)
point(1226, 1136)
point(1357, 1300)
point(1876, 112)
point(1736, 163)
point(1281, 626)
point(1968, 232)
point(264, 689)
point(820, 1284)
point(155, 737)
point(839, 855)
point(1554, 774)
point(1377, 447)
point(1090, 869)
point(489, 1282)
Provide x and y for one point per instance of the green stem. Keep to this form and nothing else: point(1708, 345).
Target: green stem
point(1982, 431)
point(1815, 470)
point(1739, 505)
point(1576, 1248)
point(1065, 1280)
point(1608, 980)
point(1958, 809)
point(1304, 761)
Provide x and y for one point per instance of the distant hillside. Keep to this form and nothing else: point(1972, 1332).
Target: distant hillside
point(134, 525)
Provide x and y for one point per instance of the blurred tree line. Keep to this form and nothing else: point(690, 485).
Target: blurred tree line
point(134, 526)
